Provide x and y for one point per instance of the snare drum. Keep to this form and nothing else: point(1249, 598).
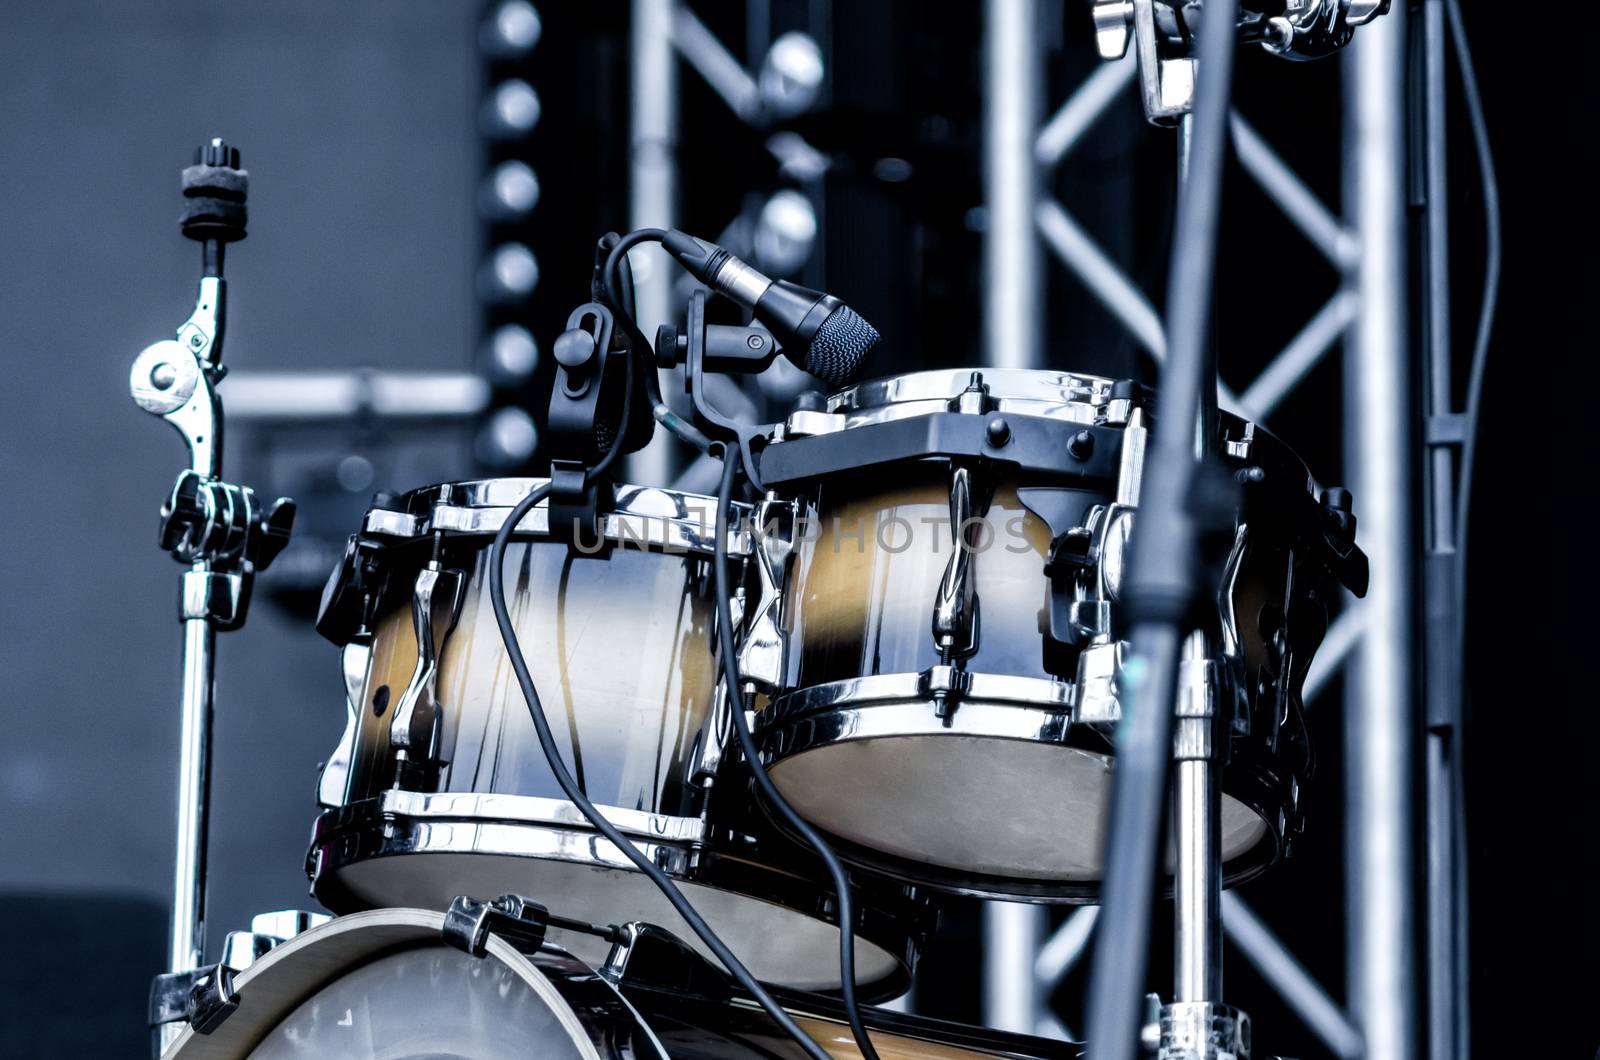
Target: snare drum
point(447, 790)
point(951, 644)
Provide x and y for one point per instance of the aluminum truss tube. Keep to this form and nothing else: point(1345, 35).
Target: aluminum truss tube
point(1295, 361)
point(1013, 997)
point(653, 189)
point(1298, 203)
point(1082, 109)
point(1013, 307)
point(1284, 974)
point(1380, 713)
point(1100, 274)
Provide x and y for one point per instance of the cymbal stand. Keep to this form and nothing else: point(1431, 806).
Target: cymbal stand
point(223, 535)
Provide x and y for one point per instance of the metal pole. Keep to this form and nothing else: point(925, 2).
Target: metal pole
point(1013, 308)
point(653, 190)
point(187, 942)
point(1012, 994)
point(1446, 1013)
point(1197, 835)
point(1379, 705)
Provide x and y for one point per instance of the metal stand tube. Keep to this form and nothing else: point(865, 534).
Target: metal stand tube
point(1380, 718)
point(1012, 993)
point(1197, 835)
point(653, 193)
point(1013, 313)
point(187, 941)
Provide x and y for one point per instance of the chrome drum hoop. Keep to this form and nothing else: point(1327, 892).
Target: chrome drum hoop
point(997, 706)
point(890, 915)
point(640, 516)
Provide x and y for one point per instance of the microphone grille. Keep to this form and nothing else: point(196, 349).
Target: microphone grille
point(839, 346)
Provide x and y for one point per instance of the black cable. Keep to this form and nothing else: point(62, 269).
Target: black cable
point(611, 286)
point(1162, 583)
point(552, 754)
point(1491, 282)
point(610, 282)
point(1480, 355)
point(730, 674)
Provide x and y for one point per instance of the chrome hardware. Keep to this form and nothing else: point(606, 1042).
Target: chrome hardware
point(1162, 35)
point(1203, 1030)
point(522, 922)
point(335, 775)
point(176, 379)
point(240, 949)
point(765, 644)
point(1095, 695)
point(468, 922)
point(955, 618)
point(415, 730)
point(641, 516)
point(711, 742)
point(1111, 21)
point(202, 997)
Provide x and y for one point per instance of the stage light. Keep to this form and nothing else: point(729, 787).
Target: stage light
point(509, 193)
point(791, 76)
point(511, 111)
point(511, 30)
point(509, 276)
point(511, 355)
point(785, 233)
point(507, 439)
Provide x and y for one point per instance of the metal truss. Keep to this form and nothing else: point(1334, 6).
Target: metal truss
point(1023, 966)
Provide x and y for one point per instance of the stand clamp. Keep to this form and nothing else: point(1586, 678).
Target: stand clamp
point(1162, 32)
point(1203, 1030)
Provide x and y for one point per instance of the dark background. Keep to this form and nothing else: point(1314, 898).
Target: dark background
point(357, 122)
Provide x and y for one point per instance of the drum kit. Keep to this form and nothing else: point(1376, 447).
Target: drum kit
point(921, 579)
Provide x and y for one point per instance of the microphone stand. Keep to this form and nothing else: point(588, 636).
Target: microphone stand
point(223, 535)
point(1163, 594)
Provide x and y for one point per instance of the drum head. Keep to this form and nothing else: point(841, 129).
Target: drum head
point(382, 986)
point(978, 806)
point(777, 942)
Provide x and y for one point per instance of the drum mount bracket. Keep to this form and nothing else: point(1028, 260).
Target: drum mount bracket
point(522, 922)
point(202, 997)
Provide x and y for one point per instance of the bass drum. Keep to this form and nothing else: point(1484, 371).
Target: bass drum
point(382, 985)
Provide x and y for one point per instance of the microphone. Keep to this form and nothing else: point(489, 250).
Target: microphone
point(820, 334)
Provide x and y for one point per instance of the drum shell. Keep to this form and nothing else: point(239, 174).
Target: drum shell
point(861, 591)
point(625, 731)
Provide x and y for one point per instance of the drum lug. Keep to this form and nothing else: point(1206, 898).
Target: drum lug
point(203, 997)
point(945, 685)
point(334, 778)
point(764, 648)
point(955, 607)
point(436, 601)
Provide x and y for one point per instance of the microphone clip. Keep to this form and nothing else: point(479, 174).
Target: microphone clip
point(726, 349)
point(584, 418)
